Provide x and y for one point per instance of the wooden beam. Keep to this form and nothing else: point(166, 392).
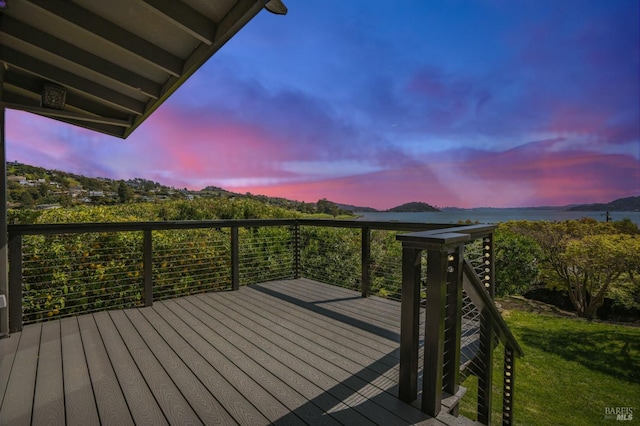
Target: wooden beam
point(119, 37)
point(184, 17)
point(242, 12)
point(67, 115)
point(68, 51)
point(19, 89)
point(65, 78)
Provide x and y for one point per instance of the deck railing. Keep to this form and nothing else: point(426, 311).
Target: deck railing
point(462, 324)
point(61, 270)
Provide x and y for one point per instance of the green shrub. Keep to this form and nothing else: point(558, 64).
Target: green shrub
point(517, 260)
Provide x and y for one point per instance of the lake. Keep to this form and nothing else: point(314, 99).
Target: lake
point(494, 216)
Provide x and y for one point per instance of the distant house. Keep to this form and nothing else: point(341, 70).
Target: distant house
point(22, 180)
point(96, 193)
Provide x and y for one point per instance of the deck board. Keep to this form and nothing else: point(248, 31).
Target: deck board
point(220, 396)
point(240, 355)
point(283, 352)
point(79, 400)
point(157, 377)
point(140, 400)
point(18, 399)
point(109, 398)
point(200, 399)
point(265, 402)
point(8, 350)
point(291, 350)
point(48, 401)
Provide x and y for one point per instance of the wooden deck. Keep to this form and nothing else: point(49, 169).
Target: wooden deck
point(283, 352)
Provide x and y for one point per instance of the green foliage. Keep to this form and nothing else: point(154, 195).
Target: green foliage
point(29, 187)
point(125, 193)
point(75, 273)
point(332, 255)
point(325, 206)
point(591, 260)
point(22, 216)
point(517, 264)
point(190, 261)
point(266, 253)
point(386, 264)
point(595, 263)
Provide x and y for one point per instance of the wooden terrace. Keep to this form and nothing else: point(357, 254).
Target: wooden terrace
point(247, 322)
point(282, 352)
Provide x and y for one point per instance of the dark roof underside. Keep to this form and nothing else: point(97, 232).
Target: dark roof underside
point(115, 60)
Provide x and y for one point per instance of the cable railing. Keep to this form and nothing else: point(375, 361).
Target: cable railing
point(265, 253)
point(189, 261)
point(331, 255)
point(60, 270)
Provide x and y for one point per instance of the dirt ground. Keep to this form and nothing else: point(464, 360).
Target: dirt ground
point(519, 303)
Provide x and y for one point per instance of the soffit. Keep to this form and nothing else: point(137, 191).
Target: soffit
point(117, 60)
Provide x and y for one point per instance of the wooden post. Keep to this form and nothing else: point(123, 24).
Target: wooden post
point(235, 259)
point(4, 255)
point(147, 260)
point(485, 356)
point(437, 263)
point(366, 261)
point(453, 322)
point(409, 325)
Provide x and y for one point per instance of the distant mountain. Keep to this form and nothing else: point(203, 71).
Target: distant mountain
point(628, 204)
point(353, 208)
point(415, 206)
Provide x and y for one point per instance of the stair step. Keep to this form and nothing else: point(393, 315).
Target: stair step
point(449, 409)
point(450, 402)
point(450, 420)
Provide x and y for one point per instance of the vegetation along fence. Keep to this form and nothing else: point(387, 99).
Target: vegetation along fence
point(60, 270)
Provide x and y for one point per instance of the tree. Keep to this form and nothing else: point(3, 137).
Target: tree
point(587, 258)
point(26, 199)
point(595, 263)
point(326, 206)
point(125, 193)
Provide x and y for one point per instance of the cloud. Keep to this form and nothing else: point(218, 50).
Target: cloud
point(533, 174)
point(486, 103)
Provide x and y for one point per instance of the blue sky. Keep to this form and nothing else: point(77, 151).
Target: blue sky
point(377, 103)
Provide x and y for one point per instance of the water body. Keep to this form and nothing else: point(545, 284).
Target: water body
point(494, 216)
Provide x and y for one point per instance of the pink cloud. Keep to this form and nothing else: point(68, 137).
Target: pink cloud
point(531, 175)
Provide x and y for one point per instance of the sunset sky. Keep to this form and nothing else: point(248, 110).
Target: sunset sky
point(465, 103)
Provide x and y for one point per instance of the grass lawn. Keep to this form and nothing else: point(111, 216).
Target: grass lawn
point(572, 370)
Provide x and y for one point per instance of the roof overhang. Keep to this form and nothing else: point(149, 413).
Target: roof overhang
point(107, 65)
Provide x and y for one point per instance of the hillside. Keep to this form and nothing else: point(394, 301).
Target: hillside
point(34, 187)
point(415, 206)
point(353, 208)
point(628, 204)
